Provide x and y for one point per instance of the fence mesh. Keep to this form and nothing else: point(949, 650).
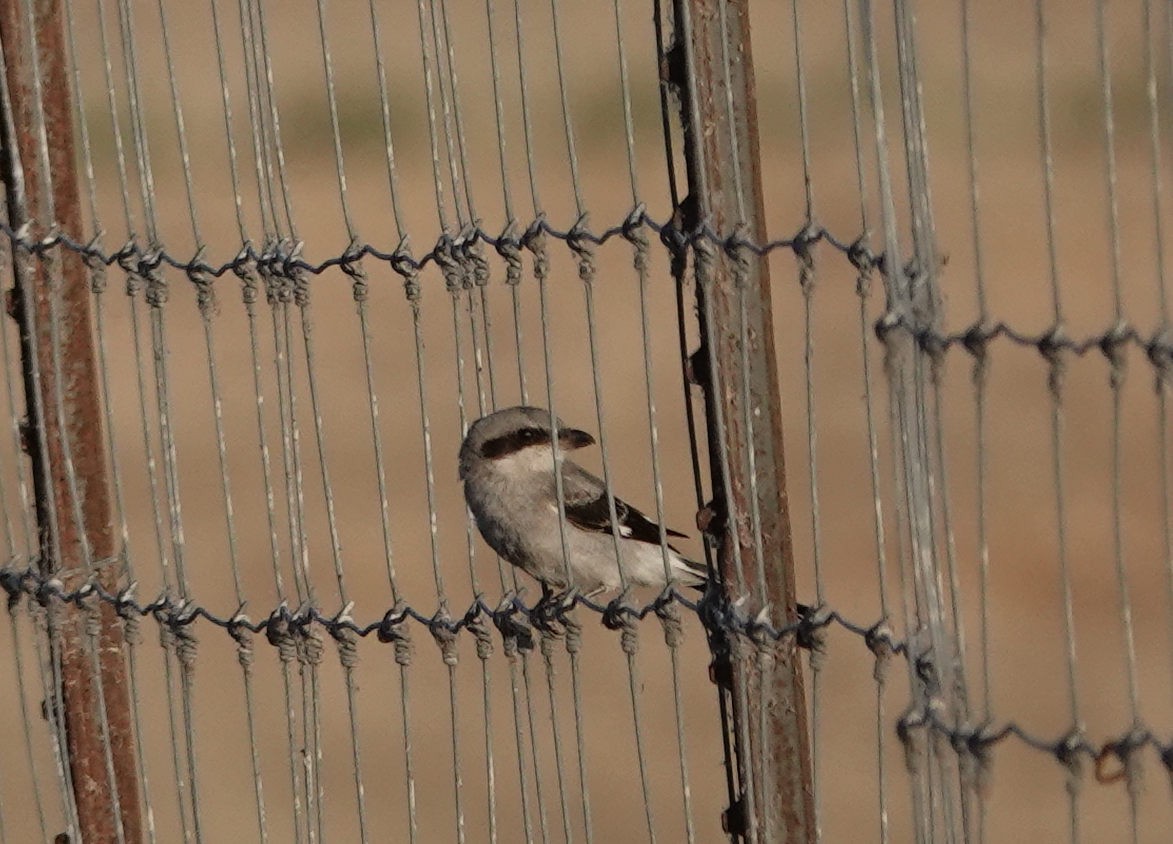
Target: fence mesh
point(319, 240)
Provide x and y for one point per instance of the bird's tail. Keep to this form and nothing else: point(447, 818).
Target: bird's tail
point(697, 573)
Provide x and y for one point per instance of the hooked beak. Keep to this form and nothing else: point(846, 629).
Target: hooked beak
point(571, 438)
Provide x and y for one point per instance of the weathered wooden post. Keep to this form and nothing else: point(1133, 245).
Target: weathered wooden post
point(50, 300)
point(710, 66)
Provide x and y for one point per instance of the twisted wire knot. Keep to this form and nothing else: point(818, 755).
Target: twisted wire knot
point(279, 632)
point(803, 245)
point(911, 729)
point(581, 243)
point(166, 634)
point(573, 628)
point(629, 638)
point(203, 281)
point(634, 234)
point(1113, 345)
point(158, 291)
point(277, 264)
point(245, 268)
point(127, 610)
point(550, 636)
point(480, 269)
point(476, 267)
point(705, 256)
point(864, 261)
point(1051, 346)
point(669, 615)
point(676, 243)
point(619, 616)
point(449, 264)
point(408, 269)
point(509, 248)
point(442, 631)
point(12, 583)
point(128, 261)
point(351, 264)
point(186, 643)
point(301, 285)
point(737, 249)
point(347, 646)
point(879, 641)
point(275, 286)
point(534, 240)
point(977, 341)
point(312, 645)
point(1069, 753)
point(475, 622)
point(91, 607)
point(811, 633)
point(341, 629)
point(1160, 353)
point(238, 629)
point(393, 628)
point(973, 757)
point(96, 266)
point(516, 632)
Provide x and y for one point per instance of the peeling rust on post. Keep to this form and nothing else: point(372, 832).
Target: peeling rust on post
point(40, 180)
point(709, 66)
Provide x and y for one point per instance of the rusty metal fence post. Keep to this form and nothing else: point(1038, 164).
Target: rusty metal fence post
point(50, 300)
point(710, 67)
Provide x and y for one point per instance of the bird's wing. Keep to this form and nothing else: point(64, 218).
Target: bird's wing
point(587, 508)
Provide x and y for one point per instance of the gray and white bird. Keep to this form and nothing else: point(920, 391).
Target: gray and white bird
point(507, 464)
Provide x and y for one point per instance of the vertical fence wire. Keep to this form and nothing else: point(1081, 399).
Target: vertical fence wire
point(27, 531)
point(585, 259)
point(881, 633)
point(980, 380)
point(669, 615)
point(432, 83)
point(742, 772)
point(541, 268)
point(1055, 384)
point(807, 281)
point(460, 278)
point(1117, 362)
point(156, 294)
point(15, 626)
point(251, 290)
point(1153, 32)
point(243, 638)
point(899, 414)
point(402, 644)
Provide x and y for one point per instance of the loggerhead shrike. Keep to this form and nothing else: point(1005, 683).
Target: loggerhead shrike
point(507, 465)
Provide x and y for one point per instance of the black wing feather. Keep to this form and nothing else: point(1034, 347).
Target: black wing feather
point(593, 514)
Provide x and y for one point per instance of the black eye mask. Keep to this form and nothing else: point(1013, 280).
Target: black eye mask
point(514, 442)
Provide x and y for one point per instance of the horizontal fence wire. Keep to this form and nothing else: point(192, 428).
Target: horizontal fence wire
point(516, 622)
point(276, 268)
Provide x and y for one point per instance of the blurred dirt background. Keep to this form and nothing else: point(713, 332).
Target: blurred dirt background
point(1027, 797)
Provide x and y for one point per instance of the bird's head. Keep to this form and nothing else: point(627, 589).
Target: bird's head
point(520, 438)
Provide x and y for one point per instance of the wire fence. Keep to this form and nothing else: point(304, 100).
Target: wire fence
point(269, 261)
